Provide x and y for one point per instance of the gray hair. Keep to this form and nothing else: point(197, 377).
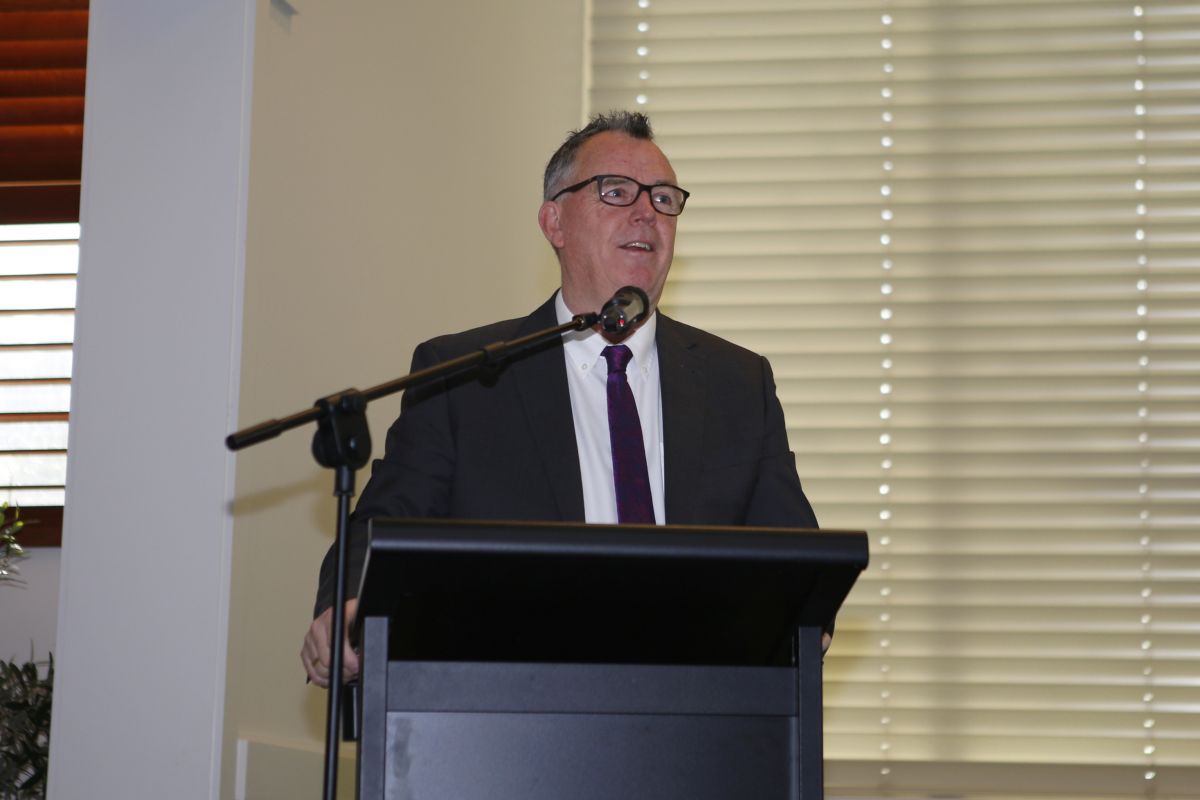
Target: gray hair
point(631, 123)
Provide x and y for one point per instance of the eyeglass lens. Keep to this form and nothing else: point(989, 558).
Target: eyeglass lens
point(618, 191)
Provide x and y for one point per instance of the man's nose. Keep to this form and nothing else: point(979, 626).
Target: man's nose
point(643, 206)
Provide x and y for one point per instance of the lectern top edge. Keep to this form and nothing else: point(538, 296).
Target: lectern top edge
point(832, 547)
point(571, 592)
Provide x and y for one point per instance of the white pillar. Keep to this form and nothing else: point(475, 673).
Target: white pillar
point(142, 627)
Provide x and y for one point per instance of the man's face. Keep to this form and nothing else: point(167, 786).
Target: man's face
point(601, 247)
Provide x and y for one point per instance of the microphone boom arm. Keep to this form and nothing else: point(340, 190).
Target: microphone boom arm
point(489, 354)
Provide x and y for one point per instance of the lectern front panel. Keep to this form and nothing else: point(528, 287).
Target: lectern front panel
point(437, 756)
point(590, 732)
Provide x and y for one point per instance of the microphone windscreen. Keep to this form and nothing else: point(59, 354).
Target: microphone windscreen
point(624, 311)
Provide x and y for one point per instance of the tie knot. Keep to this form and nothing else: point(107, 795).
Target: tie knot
point(617, 356)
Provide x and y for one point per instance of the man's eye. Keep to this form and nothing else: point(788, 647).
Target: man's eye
point(616, 192)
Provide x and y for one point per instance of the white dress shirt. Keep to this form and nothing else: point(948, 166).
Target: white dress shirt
point(587, 378)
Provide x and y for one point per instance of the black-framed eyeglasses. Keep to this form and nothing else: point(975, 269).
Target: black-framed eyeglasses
point(619, 190)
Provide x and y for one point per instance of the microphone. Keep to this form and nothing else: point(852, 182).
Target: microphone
point(624, 311)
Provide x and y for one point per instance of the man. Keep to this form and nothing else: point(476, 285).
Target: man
point(532, 441)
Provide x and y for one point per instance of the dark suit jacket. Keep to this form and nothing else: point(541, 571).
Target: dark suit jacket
point(500, 443)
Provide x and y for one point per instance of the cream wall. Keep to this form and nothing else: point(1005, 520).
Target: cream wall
point(396, 154)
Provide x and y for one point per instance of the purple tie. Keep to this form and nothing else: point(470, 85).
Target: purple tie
point(630, 475)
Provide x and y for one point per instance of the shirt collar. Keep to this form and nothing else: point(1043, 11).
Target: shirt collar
point(586, 345)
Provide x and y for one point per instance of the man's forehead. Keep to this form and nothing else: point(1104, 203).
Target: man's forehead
point(613, 152)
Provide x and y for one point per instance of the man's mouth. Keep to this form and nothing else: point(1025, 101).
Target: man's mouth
point(644, 246)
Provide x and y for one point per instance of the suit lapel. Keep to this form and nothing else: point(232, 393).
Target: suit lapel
point(679, 366)
point(541, 380)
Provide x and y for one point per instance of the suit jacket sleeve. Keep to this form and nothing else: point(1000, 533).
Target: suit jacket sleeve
point(491, 443)
point(777, 499)
point(728, 460)
point(413, 478)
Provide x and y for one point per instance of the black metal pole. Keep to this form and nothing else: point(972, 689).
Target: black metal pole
point(344, 490)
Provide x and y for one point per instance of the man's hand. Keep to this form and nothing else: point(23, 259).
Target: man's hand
point(315, 652)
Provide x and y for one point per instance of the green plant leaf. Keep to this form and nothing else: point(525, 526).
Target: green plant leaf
point(25, 703)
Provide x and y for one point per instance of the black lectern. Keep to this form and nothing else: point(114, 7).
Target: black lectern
point(528, 661)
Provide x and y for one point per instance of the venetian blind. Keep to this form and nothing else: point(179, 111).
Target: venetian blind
point(967, 235)
point(38, 264)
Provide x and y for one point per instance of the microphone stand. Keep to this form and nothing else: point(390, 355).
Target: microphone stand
point(343, 443)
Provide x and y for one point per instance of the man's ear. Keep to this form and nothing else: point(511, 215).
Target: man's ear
point(550, 221)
